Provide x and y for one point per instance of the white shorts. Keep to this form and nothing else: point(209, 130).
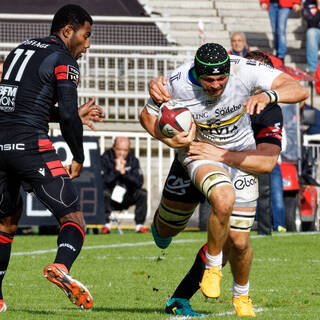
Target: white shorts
point(246, 191)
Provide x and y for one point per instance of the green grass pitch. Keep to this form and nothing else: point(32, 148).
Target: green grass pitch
point(130, 278)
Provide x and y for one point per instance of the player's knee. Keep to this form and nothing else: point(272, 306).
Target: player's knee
point(76, 217)
point(222, 200)
point(10, 206)
point(240, 244)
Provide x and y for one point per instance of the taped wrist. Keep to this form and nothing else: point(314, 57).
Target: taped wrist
point(273, 95)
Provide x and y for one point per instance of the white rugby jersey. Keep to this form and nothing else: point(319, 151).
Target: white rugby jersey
point(223, 121)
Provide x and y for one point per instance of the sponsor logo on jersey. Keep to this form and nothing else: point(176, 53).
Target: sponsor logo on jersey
point(270, 132)
point(245, 181)
point(176, 185)
point(211, 134)
point(235, 61)
point(7, 97)
point(74, 74)
point(200, 116)
point(221, 112)
point(175, 77)
point(42, 171)
point(13, 146)
point(251, 62)
point(68, 72)
point(265, 65)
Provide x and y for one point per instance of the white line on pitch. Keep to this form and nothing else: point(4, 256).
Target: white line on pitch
point(117, 245)
point(148, 243)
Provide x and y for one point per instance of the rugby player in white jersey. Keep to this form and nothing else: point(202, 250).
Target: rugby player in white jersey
point(217, 89)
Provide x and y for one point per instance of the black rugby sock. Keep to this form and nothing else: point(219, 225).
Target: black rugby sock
point(70, 241)
point(5, 250)
point(191, 282)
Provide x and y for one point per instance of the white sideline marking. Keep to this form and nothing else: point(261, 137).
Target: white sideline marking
point(118, 245)
point(220, 314)
point(138, 244)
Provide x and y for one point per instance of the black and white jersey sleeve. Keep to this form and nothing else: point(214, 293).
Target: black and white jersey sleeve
point(267, 125)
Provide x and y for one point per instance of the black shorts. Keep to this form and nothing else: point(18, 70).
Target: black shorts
point(30, 160)
point(179, 187)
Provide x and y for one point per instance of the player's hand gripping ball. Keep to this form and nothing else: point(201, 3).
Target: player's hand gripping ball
point(173, 119)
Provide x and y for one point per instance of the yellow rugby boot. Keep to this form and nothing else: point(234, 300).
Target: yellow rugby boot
point(243, 306)
point(210, 284)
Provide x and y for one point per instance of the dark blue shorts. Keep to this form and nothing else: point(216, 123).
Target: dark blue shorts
point(179, 187)
point(30, 160)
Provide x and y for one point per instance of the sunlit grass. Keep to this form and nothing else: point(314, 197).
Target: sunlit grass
point(130, 278)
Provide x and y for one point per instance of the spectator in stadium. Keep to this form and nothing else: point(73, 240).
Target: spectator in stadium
point(221, 104)
point(279, 11)
point(239, 46)
point(44, 71)
point(311, 13)
point(267, 132)
point(122, 183)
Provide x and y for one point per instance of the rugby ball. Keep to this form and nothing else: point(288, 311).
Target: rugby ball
point(174, 118)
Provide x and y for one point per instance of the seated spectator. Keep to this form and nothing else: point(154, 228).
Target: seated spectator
point(279, 11)
point(311, 14)
point(122, 183)
point(239, 46)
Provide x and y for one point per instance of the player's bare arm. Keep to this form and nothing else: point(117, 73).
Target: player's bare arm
point(287, 90)
point(89, 112)
point(150, 123)
point(261, 160)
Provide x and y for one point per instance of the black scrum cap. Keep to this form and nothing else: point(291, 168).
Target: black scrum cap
point(212, 59)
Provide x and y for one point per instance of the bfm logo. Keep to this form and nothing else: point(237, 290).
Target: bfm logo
point(7, 97)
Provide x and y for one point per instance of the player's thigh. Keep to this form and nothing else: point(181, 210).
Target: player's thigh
point(10, 201)
point(179, 199)
point(44, 175)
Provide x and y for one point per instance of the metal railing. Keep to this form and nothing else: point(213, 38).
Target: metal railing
point(118, 76)
point(126, 52)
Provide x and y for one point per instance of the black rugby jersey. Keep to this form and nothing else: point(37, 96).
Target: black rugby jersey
point(267, 126)
point(36, 75)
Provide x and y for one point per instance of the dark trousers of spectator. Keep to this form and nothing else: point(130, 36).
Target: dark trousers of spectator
point(137, 198)
point(264, 212)
point(277, 202)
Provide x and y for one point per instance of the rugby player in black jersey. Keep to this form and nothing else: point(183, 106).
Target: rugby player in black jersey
point(37, 74)
point(267, 127)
